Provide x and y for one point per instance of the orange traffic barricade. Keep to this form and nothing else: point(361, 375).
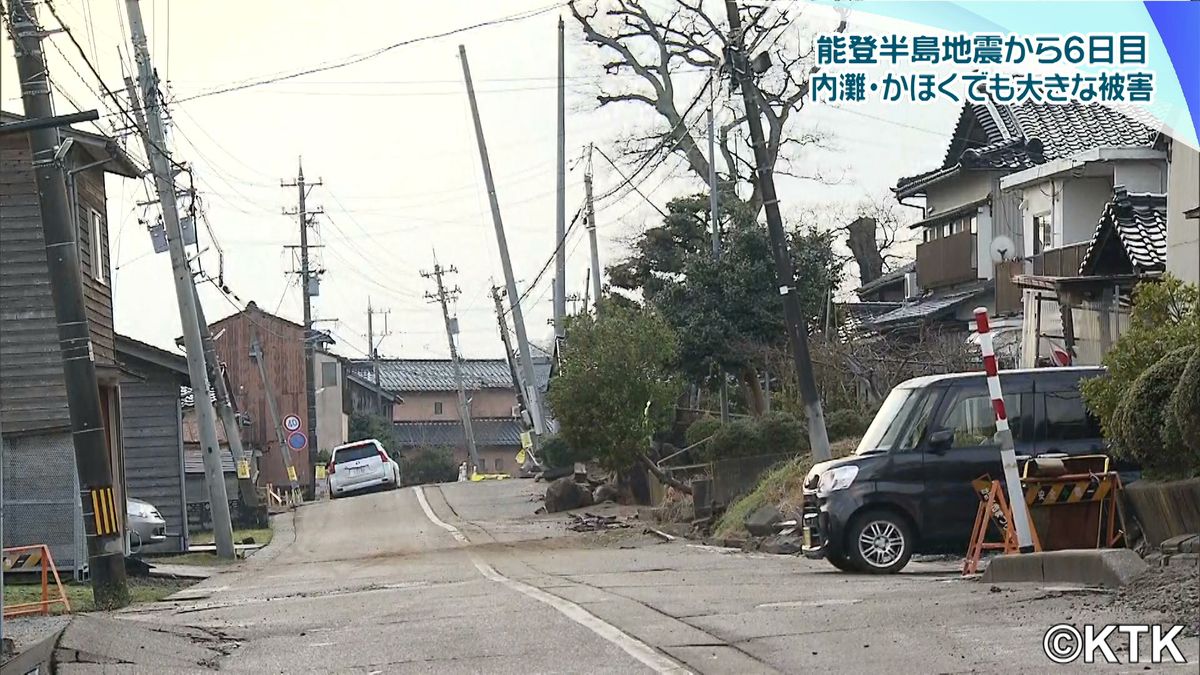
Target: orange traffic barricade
point(26, 558)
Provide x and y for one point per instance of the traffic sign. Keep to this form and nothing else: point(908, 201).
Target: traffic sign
point(297, 440)
point(291, 423)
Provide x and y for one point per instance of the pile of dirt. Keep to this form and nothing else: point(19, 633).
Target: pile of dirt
point(1173, 591)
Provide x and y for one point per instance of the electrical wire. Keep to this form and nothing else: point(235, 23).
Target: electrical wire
point(636, 188)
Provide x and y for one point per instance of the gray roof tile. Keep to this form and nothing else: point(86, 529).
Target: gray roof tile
point(488, 431)
point(1139, 221)
point(409, 375)
point(926, 308)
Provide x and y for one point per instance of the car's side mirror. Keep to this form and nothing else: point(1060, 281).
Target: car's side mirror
point(941, 439)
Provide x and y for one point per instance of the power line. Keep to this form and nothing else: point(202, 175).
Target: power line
point(635, 187)
point(349, 61)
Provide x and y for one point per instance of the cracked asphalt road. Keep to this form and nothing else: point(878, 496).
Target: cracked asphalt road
point(370, 584)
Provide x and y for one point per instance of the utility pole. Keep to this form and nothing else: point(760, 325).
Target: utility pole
point(784, 272)
point(591, 230)
point(531, 392)
point(714, 217)
point(256, 353)
point(373, 350)
point(151, 129)
point(233, 431)
point(309, 281)
point(510, 356)
point(106, 552)
point(464, 406)
point(560, 229)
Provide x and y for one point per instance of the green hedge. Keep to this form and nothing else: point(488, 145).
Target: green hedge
point(846, 423)
point(1185, 404)
point(1145, 426)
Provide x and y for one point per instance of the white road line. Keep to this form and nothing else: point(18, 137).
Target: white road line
point(631, 645)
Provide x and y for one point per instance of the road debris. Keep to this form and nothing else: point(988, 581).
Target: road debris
point(590, 522)
point(660, 534)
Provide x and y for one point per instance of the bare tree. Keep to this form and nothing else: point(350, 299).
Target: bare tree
point(667, 51)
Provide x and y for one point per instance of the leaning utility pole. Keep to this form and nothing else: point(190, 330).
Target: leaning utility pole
point(508, 354)
point(560, 229)
point(256, 353)
point(308, 282)
point(591, 230)
point(151, 129)
point(510, 282)
point(444, 296)
point(373, 351)
point(784, 272)
point(106, 550)
point(233, 431)
point(714, 217)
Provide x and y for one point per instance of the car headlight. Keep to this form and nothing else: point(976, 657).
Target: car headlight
point(835, 479)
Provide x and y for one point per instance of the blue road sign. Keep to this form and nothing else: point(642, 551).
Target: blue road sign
point(297, 440)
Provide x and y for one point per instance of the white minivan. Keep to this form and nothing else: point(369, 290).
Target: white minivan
point(361, 465)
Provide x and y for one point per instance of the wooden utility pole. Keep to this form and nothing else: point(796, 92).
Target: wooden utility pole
point(784, 272)
point(594, 274)
point(373, 350)
point(444, 296)
point(560, 229)
point(152, 131)
point(530, 381)
point(106, 551)
point(714, 216)
point(310, 283)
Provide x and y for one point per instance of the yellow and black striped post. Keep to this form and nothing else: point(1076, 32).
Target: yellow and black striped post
point(104, 511)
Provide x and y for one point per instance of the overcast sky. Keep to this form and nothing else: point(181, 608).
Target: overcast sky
point(391, 138)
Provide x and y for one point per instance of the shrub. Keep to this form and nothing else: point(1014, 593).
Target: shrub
point(1185, 404)
point(781, 432)
point(739, 438)
point(428, 465)
point(1145, 431)
point(557, 453)
point(845, 423)
point(701, 429)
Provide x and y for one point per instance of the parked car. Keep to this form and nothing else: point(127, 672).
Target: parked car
point(907, 487)
point(361, 465)
point(144, 524)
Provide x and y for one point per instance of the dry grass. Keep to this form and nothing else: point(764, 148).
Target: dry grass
point(141, 590)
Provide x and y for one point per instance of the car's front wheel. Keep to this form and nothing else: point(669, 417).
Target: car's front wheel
point(841, 562)
point(879, 542)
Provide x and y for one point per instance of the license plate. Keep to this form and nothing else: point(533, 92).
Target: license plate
point(358, 469)
point(807, 537)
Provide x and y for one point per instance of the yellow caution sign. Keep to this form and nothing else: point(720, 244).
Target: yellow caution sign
point(1047, 493)
point(25, 559)
point(243, 469)
point(320, 472)
point(292, 473)
point(104, 511)
point(520, 457)
point(526, 440)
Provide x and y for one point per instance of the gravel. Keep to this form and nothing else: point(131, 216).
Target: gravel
point(27, 631)
point(1173, 591)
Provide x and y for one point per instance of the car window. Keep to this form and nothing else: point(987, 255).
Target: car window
point(915, 430)
point(1066, 418)
point(973, 421)
point(354, 453)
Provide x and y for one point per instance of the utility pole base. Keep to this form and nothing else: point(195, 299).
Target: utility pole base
point(109, 590)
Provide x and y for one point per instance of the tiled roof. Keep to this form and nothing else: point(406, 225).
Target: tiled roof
point(1139, 223)
point(409, 375)
point(896, 275)
point(928, 308)
point(488, 431)
point(1036, 133)
point(193, 461)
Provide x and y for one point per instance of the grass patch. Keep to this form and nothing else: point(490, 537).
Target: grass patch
point(259, 536)
point(141, 590)
point(203, 559)
point(781, 487)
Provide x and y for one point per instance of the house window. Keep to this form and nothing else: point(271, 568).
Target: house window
point(96, 246)
point(329, 374)
point(1043, 233)
point(974, 221)
point(437, 407)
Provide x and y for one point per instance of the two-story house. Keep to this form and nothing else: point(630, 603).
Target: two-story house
point(41, 489)
point(1183, 211)
point(430, 416)
point(975, 234)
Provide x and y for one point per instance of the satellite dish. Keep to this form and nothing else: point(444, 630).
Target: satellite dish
point(1003, 249)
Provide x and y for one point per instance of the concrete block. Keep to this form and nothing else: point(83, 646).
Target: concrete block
point(762, 522)
point(1087, 567)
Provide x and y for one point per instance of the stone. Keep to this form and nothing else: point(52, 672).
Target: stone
point(607, 492)
point(781, 544)
point(565, 494)
point(1184, 543)
point(762, 522)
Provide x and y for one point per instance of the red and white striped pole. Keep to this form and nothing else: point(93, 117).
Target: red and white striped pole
point(1008, 451)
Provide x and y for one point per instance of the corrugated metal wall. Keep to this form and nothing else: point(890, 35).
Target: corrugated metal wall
point(154, 451)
